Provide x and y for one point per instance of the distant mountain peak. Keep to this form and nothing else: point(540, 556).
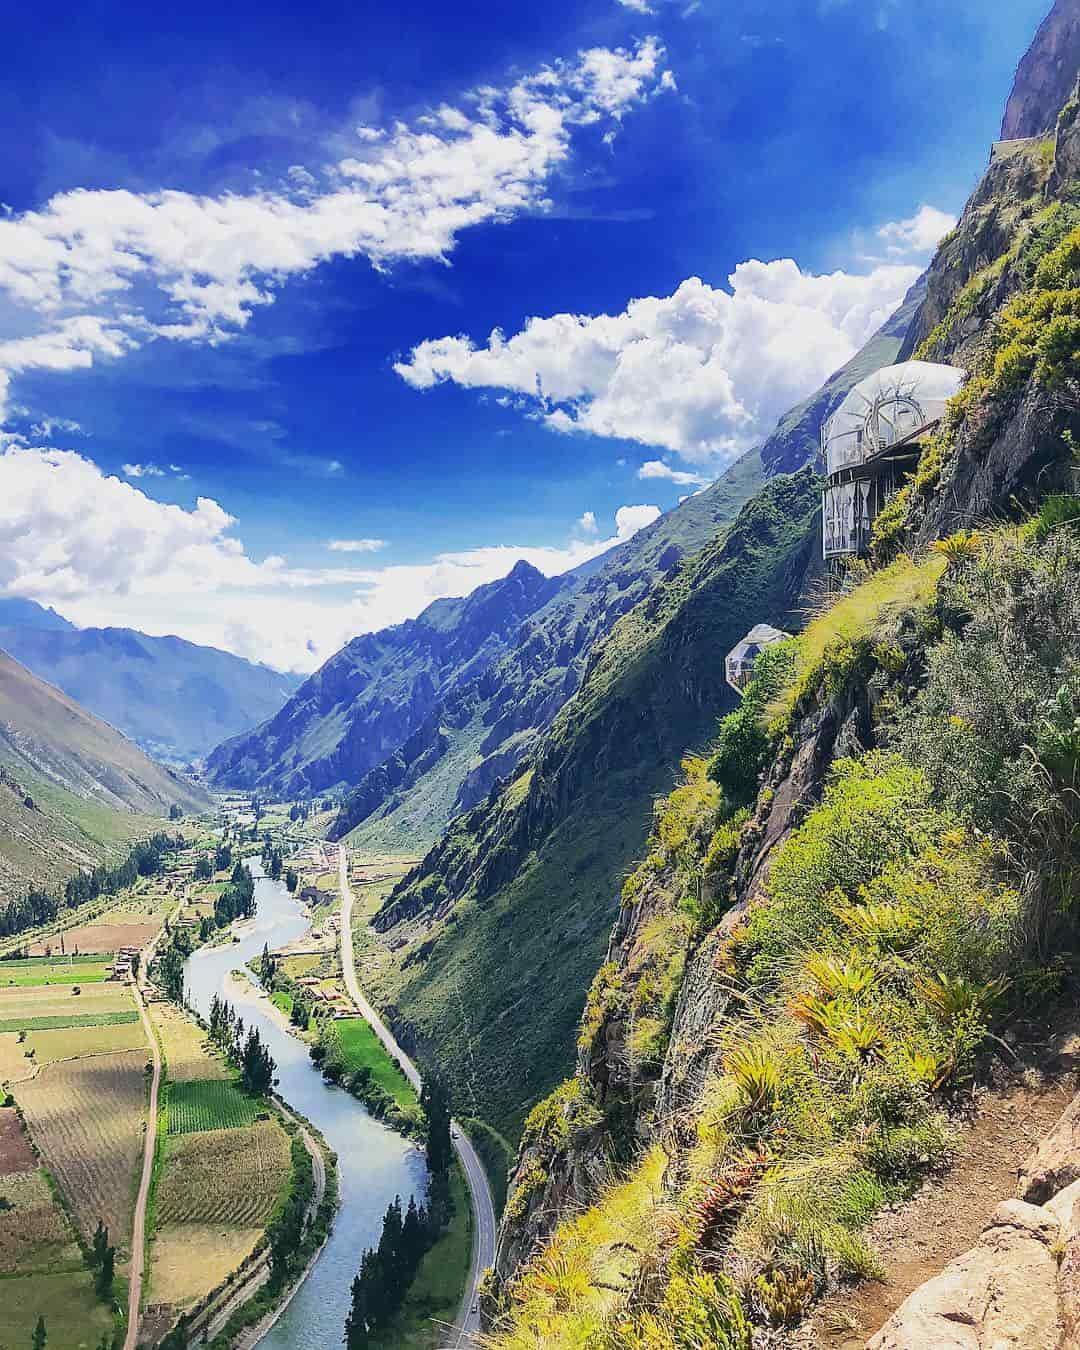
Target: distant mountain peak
point(15, 612)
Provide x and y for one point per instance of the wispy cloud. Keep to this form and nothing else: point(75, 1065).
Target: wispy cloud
point(355, 545)
point(95, 274)
point(656, 468)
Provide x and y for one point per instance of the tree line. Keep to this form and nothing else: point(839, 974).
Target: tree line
point(38, 906)
point(250, 1055)
point(388, 1270)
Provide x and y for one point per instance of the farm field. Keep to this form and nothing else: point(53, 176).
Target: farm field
point(183, 1042)
point(98, 938)
point(223, 1176)
point(35, 1232)
point(360, 1048)
point(16, 1155)
point(41, 1266)
point(75, 1318)
point(86, 1116)
point(45, 970)
point(54, 1044)
point(14, 1066)
point(209, 1105)
point(72, 1021)
point(190, 1259)
point(47, 1000)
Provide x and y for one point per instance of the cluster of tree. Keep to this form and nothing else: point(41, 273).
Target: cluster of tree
point(292, 880)
point(38, 906)
point(170, 966)
point(272, 859)
point(248, 1052)
point(102, 1261)
point(387, 1271)
point(237, 901)
point(286, 1232)
point(268, 968)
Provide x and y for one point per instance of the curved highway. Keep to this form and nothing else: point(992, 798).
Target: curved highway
point(468, 1323)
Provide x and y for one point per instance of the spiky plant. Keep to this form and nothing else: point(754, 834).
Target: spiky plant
point(784, 1296)
point(952, 998)
point(834, 977)
point(755, 1071)
point(959, 548)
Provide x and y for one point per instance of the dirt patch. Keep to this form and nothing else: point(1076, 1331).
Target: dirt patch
point(918, 1239)
point(16, 1154)
point(96, 938)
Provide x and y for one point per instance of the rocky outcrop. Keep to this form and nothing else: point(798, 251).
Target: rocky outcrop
point(1019, 1286)
point(1055, 1164)
point(1046, 75)
point(1002, 1293)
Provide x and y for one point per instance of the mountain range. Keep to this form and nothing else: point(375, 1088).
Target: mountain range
point(175, 699)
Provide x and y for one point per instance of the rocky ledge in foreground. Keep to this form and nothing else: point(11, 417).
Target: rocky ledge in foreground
point(1019, 1286)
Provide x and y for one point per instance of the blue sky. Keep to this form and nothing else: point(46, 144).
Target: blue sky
point(253, 257)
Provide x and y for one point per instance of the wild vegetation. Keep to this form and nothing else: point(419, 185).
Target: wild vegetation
point(915, 909)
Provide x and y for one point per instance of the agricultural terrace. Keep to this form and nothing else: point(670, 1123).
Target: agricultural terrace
point(40, 1261)
point(86, 1116)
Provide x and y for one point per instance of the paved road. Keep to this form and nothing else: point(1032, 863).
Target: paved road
point(468, 1323)
point(138, 1229)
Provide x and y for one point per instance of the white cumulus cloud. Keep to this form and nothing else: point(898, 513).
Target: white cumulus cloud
point(656, 468)
point(919, 234)
point(98, 272)
point(704, 372)
point(104, 553)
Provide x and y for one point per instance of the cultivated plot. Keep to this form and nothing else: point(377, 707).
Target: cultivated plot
point(52, 1044)
point(86, 1116)
point(210, 1105)
point(223, 1176)
point(183, 1043)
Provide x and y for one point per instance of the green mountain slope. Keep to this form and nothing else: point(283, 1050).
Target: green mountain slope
point(489, 944)
point(175, 699)
point(71, 787)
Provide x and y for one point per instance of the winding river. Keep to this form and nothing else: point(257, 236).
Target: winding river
point(374, 1163)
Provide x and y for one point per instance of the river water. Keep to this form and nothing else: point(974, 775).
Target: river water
point(374, 1163)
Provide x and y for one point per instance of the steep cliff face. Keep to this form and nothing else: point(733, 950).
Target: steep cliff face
point(1046, 75)
point(731, 1125)
point(1001, 303)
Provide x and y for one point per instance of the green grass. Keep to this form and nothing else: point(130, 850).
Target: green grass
point(104, 1019)
point(212, 1105)
point(435, 1295)
point(35, 962)
point(49, 970)
point(283, 1001)
point(361, 1048)
point(74, 1316)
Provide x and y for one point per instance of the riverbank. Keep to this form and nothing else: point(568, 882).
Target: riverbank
point(374, 1164)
